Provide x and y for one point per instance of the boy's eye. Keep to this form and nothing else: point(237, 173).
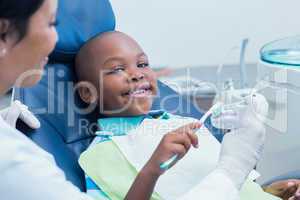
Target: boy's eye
point(143, 65)
point(117, 70)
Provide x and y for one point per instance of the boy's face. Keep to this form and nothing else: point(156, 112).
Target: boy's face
point(126, 82)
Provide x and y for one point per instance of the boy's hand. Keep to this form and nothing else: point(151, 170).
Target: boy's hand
point(286, 189)
point(175, 142)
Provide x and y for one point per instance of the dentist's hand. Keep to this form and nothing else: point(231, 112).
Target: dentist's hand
point(176, 142)
point(233, 116)
point(242, 148)
point(16, 111)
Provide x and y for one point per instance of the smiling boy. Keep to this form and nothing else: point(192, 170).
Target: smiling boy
point(119, 69)
point(114, 73)
point(119, 79)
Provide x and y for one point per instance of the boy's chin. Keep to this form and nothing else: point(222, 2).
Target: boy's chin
point(130, 112)
point(139, 110)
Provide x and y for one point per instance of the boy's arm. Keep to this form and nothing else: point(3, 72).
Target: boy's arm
point(176, 142)
point(143, 186)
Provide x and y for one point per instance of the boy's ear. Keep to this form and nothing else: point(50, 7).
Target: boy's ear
point(87, 92)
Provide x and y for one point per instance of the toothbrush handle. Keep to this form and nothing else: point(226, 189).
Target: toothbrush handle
point(166, 165)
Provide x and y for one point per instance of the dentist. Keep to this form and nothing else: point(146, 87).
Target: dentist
point(27, 36)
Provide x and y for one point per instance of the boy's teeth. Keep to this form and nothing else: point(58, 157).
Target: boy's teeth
point(138, 92)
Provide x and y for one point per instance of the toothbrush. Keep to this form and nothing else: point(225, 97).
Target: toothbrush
point(214, 110)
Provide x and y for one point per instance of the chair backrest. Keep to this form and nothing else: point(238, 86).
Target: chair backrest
point(79, 21)
point(65, 131)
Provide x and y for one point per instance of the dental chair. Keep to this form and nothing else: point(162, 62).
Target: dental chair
point(64, 132)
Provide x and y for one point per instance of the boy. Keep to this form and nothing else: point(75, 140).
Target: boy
point(118, 78)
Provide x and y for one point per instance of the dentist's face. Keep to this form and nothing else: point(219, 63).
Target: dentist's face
point(127, 84)
point(25, 59)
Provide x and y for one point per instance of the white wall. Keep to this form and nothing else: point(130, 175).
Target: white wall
point(194, 32)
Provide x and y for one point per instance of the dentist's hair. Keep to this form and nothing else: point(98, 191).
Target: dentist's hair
point(18, 13)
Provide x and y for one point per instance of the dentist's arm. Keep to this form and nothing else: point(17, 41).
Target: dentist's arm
point(239, 155)
point(241, 149)
point(30, 173)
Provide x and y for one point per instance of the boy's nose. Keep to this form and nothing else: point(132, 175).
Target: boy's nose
point(136, 75)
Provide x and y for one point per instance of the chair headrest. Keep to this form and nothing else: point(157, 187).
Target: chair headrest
point(79, 21)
